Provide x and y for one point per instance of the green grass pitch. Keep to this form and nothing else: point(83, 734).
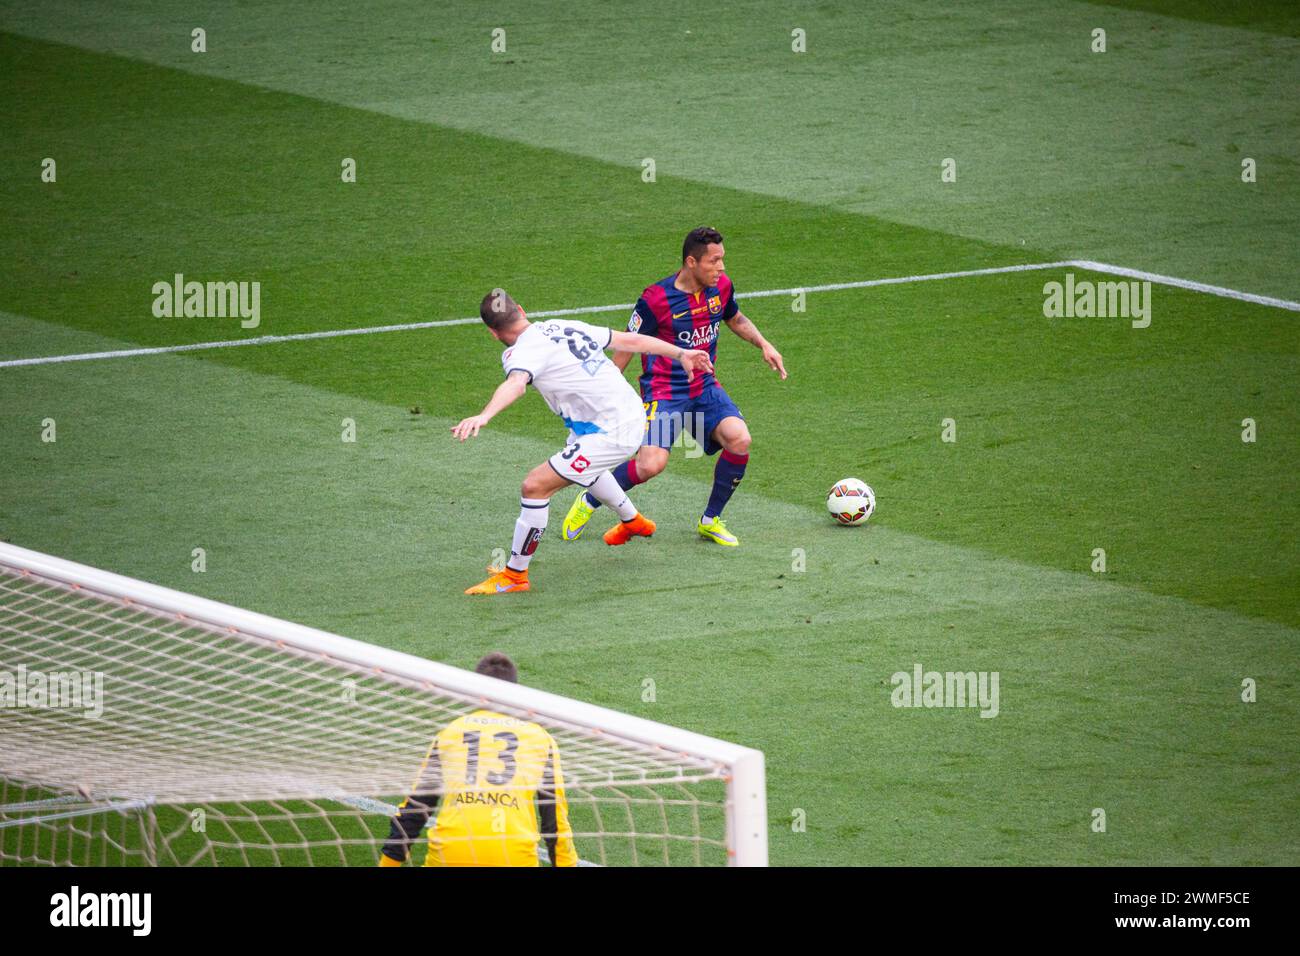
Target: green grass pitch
point(1119, 690)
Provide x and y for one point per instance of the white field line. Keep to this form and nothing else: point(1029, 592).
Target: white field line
point(900, 280)
point(1219, 290)
point(1086, 264)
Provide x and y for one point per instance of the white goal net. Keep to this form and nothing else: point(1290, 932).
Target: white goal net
point(144, 726)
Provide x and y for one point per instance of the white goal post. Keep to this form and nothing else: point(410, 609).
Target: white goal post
point(144, 726)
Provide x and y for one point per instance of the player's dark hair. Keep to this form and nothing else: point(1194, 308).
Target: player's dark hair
point(498, 310)
point(498, 665)
point(698, 240)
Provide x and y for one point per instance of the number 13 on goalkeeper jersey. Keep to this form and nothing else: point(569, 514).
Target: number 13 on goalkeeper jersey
point(501, 790)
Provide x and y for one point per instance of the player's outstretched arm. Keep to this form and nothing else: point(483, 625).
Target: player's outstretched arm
point(553, 813)
point(747, 330)
point(404, 828)
point(413, 813)
point(509, 391)
point(692, 360)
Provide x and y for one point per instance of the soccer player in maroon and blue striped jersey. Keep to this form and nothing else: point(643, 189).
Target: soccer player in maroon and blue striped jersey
point(686, 309)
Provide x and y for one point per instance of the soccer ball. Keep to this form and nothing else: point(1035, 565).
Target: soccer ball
point(851, 501)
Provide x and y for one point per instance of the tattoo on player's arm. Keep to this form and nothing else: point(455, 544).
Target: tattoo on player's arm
point(747, 330)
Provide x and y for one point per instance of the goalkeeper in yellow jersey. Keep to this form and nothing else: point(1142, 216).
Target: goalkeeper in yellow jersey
point(501, 789)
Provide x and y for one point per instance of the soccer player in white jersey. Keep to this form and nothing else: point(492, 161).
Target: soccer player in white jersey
point(565, 360)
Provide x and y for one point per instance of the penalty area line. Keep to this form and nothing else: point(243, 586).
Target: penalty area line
point(1108, 269)
point(1085, 264)
point(442, 323)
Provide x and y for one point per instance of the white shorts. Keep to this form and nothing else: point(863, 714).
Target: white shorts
point(586, 457)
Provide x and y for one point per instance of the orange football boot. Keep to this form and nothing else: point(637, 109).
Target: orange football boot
point(625, 531)
point(501, 580)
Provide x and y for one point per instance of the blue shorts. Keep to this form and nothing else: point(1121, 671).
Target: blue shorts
point(666, 418)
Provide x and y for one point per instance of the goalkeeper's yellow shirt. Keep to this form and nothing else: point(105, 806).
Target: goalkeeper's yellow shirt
point(502, 793)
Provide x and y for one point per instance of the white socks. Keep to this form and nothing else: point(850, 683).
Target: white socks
point(529, 526)
point(534, 513)
point(606, 489)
